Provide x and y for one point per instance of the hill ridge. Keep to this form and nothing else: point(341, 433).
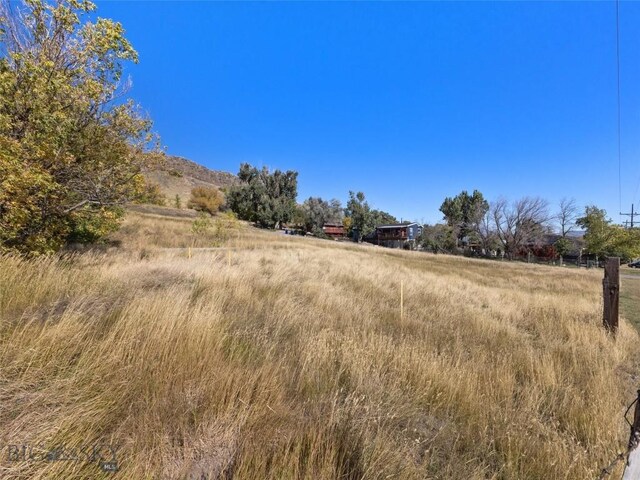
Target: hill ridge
point(179, 175)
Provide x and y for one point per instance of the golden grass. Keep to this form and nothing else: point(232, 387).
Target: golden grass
point(291, 361)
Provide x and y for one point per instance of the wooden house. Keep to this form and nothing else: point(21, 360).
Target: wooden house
point(399, 235)
point(334, 230)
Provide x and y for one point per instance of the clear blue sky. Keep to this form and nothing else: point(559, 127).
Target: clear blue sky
point(407, 102)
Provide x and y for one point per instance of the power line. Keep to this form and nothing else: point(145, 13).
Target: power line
point(632, 215)
point(635, 195)
point(618, 89)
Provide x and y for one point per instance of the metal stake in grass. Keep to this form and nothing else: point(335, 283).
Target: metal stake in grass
point(229, 258)
point(189, 253)
point(401, 300)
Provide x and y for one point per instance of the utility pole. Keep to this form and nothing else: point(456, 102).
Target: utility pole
point(632, 214)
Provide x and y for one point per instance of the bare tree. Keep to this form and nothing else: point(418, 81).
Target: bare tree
point(520, 223)
point(567, 216)
point(486, 232)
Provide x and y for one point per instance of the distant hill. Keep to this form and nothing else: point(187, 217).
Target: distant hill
point(179, 175)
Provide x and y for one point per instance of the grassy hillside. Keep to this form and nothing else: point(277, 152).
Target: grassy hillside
point(179, 175)
point(282, 357)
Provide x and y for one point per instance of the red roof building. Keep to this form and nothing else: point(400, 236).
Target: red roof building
point(334, 230)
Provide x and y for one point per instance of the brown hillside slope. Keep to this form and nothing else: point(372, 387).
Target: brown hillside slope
point(179, 176)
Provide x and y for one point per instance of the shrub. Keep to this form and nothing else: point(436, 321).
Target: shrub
point(151, 194)
point(206, 199)
point(201, 225)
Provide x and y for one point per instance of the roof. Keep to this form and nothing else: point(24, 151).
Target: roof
point(397, 225)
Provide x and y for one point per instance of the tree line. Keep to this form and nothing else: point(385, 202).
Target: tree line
point(524, 225)
point(268, 199)
point(73, 152)
point(512, 228)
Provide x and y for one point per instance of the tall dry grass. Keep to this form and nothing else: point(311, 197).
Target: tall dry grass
point(289, 360)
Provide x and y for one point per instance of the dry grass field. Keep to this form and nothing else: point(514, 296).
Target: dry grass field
point(630, 295)
point(275, 357)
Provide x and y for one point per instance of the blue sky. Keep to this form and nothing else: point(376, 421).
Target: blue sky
point(407, 102)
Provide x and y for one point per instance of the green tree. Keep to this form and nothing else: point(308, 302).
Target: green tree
point(600, 234)
point(438, 238)
point(605, 239)
point(317, 212)
point(359, 212)
point(379, 217)
point(206, 199)
point(628, 244)
point(363, 220)
point(464, 213)
point(299, 217)
point(177, 202)
point(265, 198)
point(70, 155)
point(563, 246)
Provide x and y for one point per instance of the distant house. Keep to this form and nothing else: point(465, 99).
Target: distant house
point(334, 230)
point(544, 249)
point(399, 235)
point(576, 243)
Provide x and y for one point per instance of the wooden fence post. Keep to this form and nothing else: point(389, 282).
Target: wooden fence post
point(611, 293)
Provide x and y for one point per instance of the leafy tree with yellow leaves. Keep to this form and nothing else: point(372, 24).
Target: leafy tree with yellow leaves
point(71, 152)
